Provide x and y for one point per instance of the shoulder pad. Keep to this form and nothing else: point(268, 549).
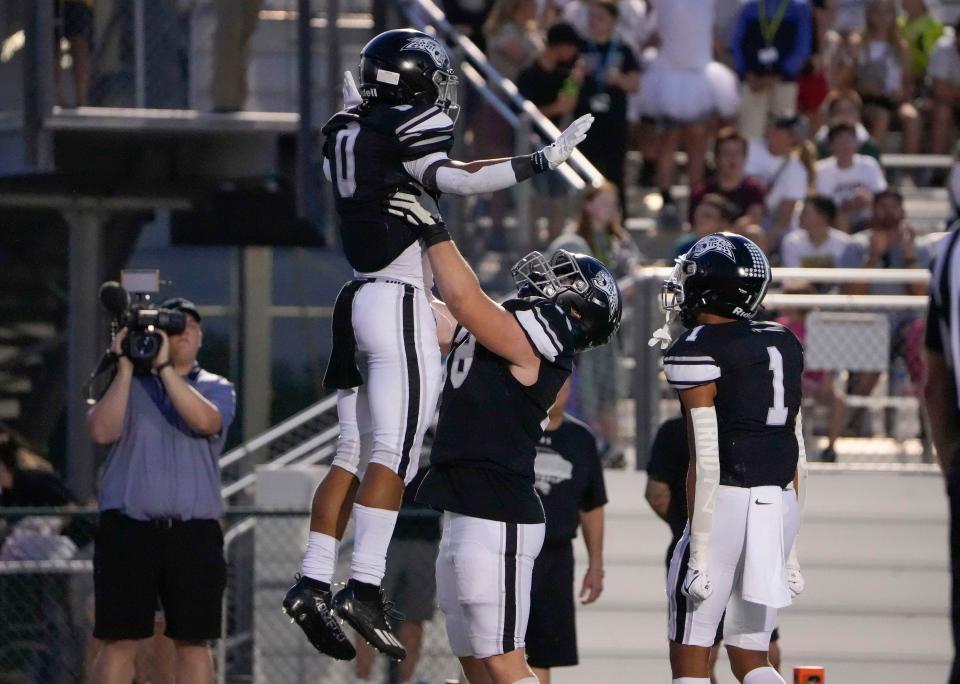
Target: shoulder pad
point(340, 120)
point(545, 325)
point(689, 363)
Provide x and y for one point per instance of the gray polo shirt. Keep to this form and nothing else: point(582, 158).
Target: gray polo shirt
point(160, 468)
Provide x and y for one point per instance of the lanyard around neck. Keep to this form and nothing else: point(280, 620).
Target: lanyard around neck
point(769, 28)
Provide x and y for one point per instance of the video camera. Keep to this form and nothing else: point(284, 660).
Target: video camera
point(128, 302)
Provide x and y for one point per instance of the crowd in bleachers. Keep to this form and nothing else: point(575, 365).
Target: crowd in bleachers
point(772, 101)
point(784, 110)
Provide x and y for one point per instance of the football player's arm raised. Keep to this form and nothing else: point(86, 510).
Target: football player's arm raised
point(438, 173)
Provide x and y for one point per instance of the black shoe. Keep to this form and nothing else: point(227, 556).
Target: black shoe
point(310, 607)
point(828, 455)
point(369, 617)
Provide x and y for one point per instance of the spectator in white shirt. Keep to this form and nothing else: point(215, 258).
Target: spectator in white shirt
point(851, 179)
point(778, 162)
point(816, 244)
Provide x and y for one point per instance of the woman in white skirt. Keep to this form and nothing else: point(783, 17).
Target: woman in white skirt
point(684, 88)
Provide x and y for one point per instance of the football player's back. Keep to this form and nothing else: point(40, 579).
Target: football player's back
point(757, 368)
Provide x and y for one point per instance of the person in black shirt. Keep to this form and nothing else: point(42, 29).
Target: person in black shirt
point(941, 391)
point(506, 365)
point(570, 483)
point(612, 74)
point(553, 81)
point(667, 477)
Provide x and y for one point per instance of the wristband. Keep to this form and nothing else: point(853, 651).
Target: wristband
point(539, 162)
point(165, 364)
point(434, 234)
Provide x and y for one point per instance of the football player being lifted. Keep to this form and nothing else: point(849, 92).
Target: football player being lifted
point(506, 364)
point(394, 134)
point(739, 385)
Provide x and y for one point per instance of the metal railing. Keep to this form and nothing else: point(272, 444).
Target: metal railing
point(303, 437)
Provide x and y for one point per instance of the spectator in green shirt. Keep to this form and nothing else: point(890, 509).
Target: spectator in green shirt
point(921, 31)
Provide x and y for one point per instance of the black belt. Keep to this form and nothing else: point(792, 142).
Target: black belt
point(158, 523)
point(342, 370)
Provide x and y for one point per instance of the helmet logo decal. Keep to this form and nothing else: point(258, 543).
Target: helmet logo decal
point(760, 267)
point(715, 243)
point(605, 283)
point(431, 47)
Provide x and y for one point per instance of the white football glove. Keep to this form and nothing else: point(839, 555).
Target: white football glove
point(428, 226)
point(795, 579)
point(408, 207)
point(696, 584)
point(563, 147)
point(351, 96)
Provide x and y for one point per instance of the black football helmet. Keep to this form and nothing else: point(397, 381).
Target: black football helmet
point(723, 273)
point(581, 286)
point(405, 66)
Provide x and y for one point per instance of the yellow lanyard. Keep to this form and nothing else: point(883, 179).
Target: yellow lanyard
point(768, 29)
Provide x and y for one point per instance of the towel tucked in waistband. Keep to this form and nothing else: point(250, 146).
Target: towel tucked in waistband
point(342, 371)
point(764, 578)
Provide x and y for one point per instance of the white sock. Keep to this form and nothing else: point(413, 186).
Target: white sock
point(320, 560)
point(527, 680)
point(691, 680)
point(374, 528)
point(364, 681)
point(763, 675)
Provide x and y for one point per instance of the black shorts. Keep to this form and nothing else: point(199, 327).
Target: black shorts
point(552, 629)
point(135, 563)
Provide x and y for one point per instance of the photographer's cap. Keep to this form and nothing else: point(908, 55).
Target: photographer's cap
point(182, 304)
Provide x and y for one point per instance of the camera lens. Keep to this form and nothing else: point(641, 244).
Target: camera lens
point(144, 345)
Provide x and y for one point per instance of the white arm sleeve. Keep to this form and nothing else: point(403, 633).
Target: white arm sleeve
point(326, 170)
point(706, 444)
point(436, 171)
point(801, 479)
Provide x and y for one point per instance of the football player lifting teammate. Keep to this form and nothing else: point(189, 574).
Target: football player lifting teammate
point(506, 364)
point(394, 134)
point(739, 385)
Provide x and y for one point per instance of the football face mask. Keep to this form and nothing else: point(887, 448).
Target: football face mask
point(534, 276)
point(448, 87)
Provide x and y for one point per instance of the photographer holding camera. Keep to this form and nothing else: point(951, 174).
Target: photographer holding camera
point(159, 538)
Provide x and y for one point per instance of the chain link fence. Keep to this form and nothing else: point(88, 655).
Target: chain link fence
point(47, 607)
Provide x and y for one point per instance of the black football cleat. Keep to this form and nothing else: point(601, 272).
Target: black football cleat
point(309, 606)
point(369, 618)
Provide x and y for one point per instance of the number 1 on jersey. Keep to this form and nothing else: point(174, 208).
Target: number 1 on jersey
point(777, 414)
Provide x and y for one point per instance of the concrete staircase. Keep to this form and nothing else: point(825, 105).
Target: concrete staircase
point(874, 553)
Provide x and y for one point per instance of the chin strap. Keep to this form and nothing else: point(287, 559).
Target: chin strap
point(662, 336)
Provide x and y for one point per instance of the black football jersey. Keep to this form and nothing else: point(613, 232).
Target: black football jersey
point(366, 148)
point(482, 462)
point(757, 369)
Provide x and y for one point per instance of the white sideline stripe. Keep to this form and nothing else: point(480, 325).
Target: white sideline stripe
point(687, 359)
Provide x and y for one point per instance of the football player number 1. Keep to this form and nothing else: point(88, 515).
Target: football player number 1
point(776, 414)
point(346, 164)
